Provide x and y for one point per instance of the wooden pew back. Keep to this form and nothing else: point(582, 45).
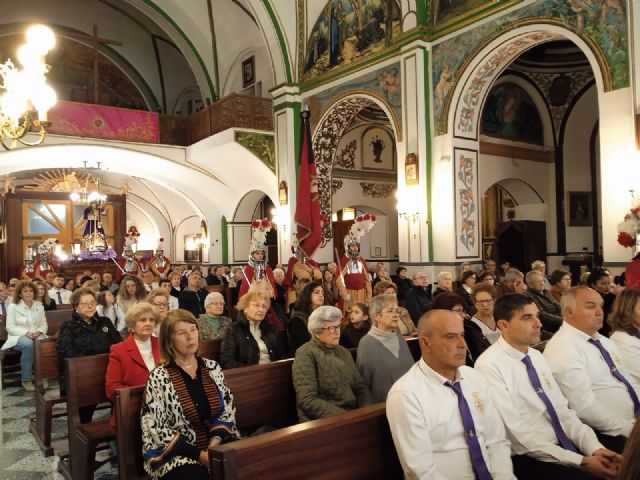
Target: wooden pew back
point(128, 404)
point(46, 362)
point(355, 444)
point(55, 319)
point(85, 384)
point(210, 349)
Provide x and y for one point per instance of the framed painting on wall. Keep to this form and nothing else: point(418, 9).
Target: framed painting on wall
point(248, 71)
point(378, 150)
point(465, 187)
point(580, 214)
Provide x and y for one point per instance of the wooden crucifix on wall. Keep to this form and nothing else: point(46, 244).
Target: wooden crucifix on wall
point(96, 42)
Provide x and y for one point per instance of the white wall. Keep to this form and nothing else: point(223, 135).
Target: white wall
point(577, 165)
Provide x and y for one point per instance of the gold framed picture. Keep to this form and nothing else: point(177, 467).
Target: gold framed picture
point(411, 170)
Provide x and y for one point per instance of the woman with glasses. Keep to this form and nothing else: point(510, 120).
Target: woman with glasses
point(159, 300)
point(187, 408)
point(250, 340)
point(212, 324)
point(405, 325)
point(383, 355)
point(325, 377)
point(481, 331)
point(86, 333)
point(131, 360)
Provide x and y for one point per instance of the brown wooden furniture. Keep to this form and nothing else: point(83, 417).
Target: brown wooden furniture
point(85, 387)
point(128, 404)
point(217, 288)
point(46, 368)
point(55, 319)
point(355, 444)
point(9, 359)
point(210, 349)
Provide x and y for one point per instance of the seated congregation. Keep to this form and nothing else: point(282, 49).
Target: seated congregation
point(247, 373)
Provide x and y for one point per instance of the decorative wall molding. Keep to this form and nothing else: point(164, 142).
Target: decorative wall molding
point(335, 186)
point(346, 158)
point(377, 190)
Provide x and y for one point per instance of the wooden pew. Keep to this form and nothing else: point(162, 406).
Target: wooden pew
point(217, 288)
point(210, 349)
point(353, 445)
point(85, 386)
point(55, 319)
point(46, 368)
point(263, 395)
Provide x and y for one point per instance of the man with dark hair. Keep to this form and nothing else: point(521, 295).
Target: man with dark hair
point(548, 438)
point(403, 283)
point(58, 293)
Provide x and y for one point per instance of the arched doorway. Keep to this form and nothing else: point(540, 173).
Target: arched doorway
point(549, 163)
point(254, 205)
point(355, 149)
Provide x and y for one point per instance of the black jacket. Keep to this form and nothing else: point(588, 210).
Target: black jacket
point(403, 284)
point(77, 338)
point(240, 349)
point(417, 301)
point(297, 332)
point(468, 304)
point(193, 301)
point(350, 337)
point(549, 310)
point(476, 342)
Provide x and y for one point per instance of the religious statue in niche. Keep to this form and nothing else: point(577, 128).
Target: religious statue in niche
point(378, 146)
point(93, 237)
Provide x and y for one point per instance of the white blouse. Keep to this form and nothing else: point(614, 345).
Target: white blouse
point(491, 335)
point(254, 328)
point(146, 352)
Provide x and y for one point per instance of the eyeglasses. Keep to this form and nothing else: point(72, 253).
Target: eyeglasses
point(391, 311)
point(263, 306)
point(88, 304)
point(217, 304)
point(485, 302)
point(332, 328)
point(162, 305)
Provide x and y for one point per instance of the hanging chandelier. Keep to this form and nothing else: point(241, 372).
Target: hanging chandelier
point(27, 97)
point(83, 196)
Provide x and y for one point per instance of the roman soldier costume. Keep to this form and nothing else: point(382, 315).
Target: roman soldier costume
point(257, 269)
point(159, 264)
point(129, 264)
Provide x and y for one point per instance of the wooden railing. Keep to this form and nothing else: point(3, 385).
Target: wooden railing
point(232, 111)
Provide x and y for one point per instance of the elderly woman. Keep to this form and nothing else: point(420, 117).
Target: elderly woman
point(250, 340)
point(481, 331)
point(131, 361)
point(131, 291)
point(311, 297)
point(325, 377)
point(188, 407)
point(624, 320)
point(212, 324)
point(560, 282)
point(445, 283)
point(486, 277)
point(85, 334)
point(405, 325)
point(383, 355)
point(25, 323)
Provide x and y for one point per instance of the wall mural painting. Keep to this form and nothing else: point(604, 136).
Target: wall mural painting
point(448, 11)
point(601, 24)
point(510, 113)
point(466, 196)
point(383, 82)
point(348, 30)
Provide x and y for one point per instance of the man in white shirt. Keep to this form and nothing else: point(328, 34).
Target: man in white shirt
point(58, 293)
point(442, 419)
point(148, 280)
point(589, 369)
point(173, 301)
point(549, 440)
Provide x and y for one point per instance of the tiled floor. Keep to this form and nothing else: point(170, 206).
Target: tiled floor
point(20, 457)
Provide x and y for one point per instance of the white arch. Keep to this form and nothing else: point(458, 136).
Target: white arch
point(482, 70)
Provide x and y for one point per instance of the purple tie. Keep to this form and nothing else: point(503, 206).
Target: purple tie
point(617, 375)
point(59, 298)
point(565, 442)
point(477, 459)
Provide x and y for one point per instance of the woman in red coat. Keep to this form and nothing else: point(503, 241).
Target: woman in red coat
point(131, 361)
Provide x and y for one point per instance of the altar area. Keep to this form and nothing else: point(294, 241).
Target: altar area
point(32, 217)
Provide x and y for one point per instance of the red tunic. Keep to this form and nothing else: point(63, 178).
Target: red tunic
point(159, 271)
point(632, 273)
point(249, 272)
point(122, 262)
point(354, 281)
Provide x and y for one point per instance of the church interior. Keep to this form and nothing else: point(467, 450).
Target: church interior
point(471, 132)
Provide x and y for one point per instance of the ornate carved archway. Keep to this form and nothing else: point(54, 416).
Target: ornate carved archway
point(330, 129)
